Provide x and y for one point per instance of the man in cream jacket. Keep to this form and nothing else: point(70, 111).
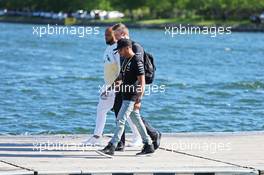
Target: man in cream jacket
point(107, 95)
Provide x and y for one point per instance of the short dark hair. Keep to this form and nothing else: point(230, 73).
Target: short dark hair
point(123, 43)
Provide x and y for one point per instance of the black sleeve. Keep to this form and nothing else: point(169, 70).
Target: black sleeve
point(119, 77)
point(139, 67)
point(138, 50)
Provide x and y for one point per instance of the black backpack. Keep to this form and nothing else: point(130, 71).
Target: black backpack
point(149, 67)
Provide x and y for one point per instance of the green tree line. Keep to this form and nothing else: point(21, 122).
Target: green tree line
point(149, 9)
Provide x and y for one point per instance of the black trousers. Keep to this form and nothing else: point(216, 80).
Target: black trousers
point(152, 132)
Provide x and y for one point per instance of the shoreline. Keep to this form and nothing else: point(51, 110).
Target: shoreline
point(168, 134)
point(39, 21)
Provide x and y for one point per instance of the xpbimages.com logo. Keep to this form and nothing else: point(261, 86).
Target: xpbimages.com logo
point(148, 89)
point(79, 31)
point(212, 31)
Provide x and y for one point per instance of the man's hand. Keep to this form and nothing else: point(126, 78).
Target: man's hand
point(104, 95)
point(137, 105)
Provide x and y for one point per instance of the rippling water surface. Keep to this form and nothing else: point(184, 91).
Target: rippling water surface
point(49, 85)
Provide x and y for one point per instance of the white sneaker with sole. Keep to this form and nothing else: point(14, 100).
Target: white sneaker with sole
point(137, 142)
point(93, 141)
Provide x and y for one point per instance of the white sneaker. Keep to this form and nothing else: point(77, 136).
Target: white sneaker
point(93, 141)
point(136, 143)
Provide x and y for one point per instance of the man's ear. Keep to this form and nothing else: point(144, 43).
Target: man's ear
point(122, 34)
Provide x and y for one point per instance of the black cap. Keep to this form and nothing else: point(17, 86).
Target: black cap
point(123, 43)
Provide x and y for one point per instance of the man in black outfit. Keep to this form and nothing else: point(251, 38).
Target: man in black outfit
point(121, 31)
point(132, 89)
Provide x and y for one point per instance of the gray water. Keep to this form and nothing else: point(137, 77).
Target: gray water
point(49, 85)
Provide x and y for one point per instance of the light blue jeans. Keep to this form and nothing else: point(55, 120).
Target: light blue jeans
point(127, 110)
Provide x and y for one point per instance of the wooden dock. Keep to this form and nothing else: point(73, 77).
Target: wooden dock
point(181, 154)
